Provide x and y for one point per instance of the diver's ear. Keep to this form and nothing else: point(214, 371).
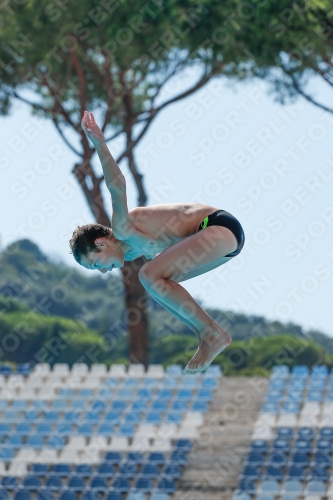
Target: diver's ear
point(100, 242)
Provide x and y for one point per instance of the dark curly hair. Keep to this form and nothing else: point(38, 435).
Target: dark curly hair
point(83, 239)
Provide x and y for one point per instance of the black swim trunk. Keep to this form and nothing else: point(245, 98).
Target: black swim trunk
point(225, 219)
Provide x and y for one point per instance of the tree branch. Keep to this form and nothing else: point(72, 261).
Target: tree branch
point(56, 123)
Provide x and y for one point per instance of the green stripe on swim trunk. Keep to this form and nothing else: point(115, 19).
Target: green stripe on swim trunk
point(205, 222)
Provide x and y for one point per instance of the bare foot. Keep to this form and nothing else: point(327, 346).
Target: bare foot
point(212, 344)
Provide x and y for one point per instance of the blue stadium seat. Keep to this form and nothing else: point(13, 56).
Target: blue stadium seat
point(281, 444)
point(143, 484)
point(315, 396)
point(280, 369)
point(61, 470)
point(184, 395)
point(85, 430)
point(318, 472)
point(112, 417)
point(121, 485)
point(19, 404)
point(112, 457)
point(67, 495)
point(44, 495)
point(79, 404)
point(41, 470)
point(319, 383)
point(204, 395)
point(306, 433)
point(171, 382)
point(112, 382)
point(183, 444)
point(98, 404)
point(300, 459)
point(131, 382)
point(22, 495)
point(326, 433)
point(199, 406)
point(136, 495)
point(174, 417)
point(126, 430)
point(9, 482)
point(172, 471)
point(315, 486)
point(292, 486)
point(291, 407)
point(179, 405)
point(53, 482)
point(14, 441)
point(84, 470)
point(12, 416)
point(247, 485)
point(128, 470)
point(259, 446)
point(159, 496)
point(150, 471)
point(132, 417)
point(302, 445)
point(52, 416)
point(297, 384)
point(251, 472)
point(165, 394)
point(166, 485)
point(277, 383)
point(324, 445)
point(178, 458)
point(294, 396)
point(210, 383)
point(119, 405)
point(320, 370)
point(277, 459)
point(59, 404)
point(35, 441)
point(6, 369)
point(76, 483)
point(85, 393)
point(5, 428)
point(105, 470)
point(296, 472)
point(44, 429)
point(3, 404)
point(212, 371)
point(112, 496)
point(39, 405)
point(98, 484)
point(31, 416)
point(285, 433)
point(174, 370)
point(322, 458)
point(157, 458)
point(31, 483)
point(64, 429)
point(23, 368)
point(255, 459)
point(125, 394)
point(94, 495)
point(135, 457)
point(159, 406)
point(6, 454)
point(153, 418)
point(270, 408)
point(145, 394)
point(92, 417)
point(139, 406)
point(270, 486)
point(274, 395)
point(105, 429)
point(273, 473)
point(71, 416)
point(66, 392)
point(300, 370)
point(56, 442)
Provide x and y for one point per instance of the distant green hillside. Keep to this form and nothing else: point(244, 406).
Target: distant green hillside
point(45, 304)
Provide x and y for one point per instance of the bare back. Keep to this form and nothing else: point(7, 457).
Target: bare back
point(157, 227)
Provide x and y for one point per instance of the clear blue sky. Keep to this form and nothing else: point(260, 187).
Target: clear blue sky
point(230, 145)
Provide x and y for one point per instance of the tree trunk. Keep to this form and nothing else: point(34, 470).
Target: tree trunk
point(135, 293)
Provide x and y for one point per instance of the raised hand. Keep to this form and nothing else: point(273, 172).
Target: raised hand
point(91, 129)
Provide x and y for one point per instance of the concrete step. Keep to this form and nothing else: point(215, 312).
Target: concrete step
point(217, 457)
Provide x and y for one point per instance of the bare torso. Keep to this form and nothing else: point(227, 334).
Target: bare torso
point(157, 227)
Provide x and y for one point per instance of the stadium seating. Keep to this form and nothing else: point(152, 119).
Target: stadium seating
point(92, 433)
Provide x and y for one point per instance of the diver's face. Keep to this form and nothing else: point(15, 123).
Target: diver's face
point(109, 257)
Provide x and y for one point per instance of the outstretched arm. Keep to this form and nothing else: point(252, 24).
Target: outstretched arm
point(114, 179)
